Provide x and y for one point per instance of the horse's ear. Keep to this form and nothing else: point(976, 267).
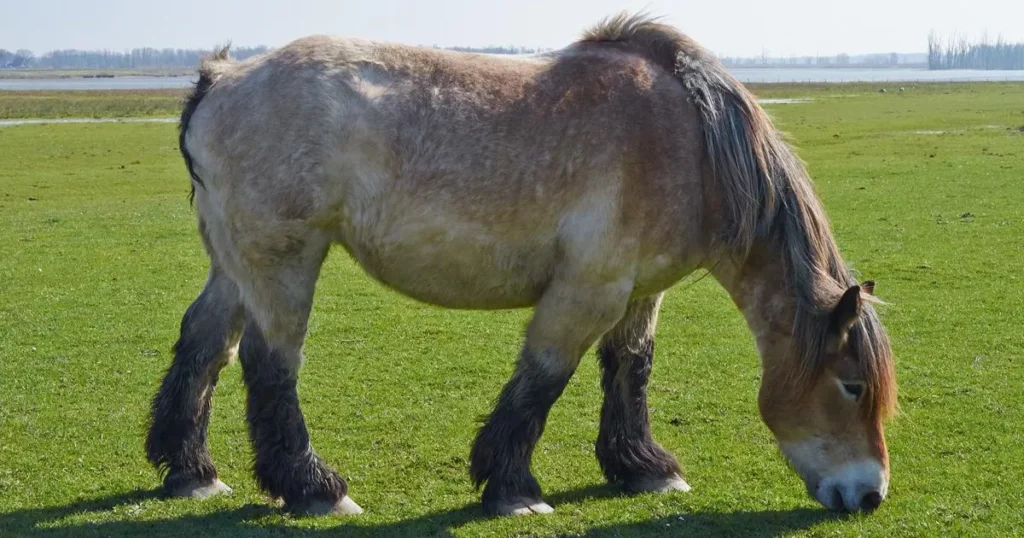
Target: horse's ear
point(868, 286)
point(845, 313)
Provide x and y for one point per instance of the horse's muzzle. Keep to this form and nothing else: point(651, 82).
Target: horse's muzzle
point(855, 488)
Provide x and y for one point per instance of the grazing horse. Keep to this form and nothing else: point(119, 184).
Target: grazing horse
point(583, 183)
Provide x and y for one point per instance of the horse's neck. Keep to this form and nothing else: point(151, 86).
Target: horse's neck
point(759, 288)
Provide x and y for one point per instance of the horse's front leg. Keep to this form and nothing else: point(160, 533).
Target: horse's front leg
point(568, 319)
point(625, 448)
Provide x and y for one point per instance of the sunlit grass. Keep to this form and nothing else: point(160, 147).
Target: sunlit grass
point(90, 104)
point(99, 258)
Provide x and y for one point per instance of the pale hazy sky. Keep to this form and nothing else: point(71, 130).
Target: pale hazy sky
point(728, 27)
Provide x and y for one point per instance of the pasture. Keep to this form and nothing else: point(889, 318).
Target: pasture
point(90, 104)
point(99, 258)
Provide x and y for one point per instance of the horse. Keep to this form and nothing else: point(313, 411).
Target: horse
point(583, 183)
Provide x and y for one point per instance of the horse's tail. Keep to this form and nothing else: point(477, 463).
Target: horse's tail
point(750, 162)
point(208, 74)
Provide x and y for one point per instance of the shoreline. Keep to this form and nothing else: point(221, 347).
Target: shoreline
point(149, 103)
point(13, 79)
point(58, 74)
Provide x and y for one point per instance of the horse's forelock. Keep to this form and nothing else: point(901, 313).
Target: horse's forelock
point(869, 344)
point(874, 357)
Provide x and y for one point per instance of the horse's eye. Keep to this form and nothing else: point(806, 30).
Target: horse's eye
point(853, 390)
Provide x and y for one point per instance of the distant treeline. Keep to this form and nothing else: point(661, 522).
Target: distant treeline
point(19, 58)
point(497, 50)
point(958, 53)
point(142, 58)
point(840, 60)
point(149, 58)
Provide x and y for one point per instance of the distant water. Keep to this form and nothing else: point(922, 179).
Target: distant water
point(772, 75)
point(115, 83)
point(744, 74)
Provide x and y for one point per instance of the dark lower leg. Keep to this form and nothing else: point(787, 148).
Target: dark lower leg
point(625, 449)
point(286, 466)
point(504, 445)
point(180, 412)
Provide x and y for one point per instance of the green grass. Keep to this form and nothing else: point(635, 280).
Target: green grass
point(99, 258)
point(90, 104)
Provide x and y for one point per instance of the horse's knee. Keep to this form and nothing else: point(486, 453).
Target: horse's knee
point(268, 361)
point(213, 322)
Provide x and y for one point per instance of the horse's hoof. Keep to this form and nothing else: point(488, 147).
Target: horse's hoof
point(658, 484)
point(345, 507)
point(519, 507)
point(200, 490)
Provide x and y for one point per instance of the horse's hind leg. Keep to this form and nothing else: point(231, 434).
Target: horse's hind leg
point(625, 449)
point(568, 319)
point(278, 296)
point(181, 409)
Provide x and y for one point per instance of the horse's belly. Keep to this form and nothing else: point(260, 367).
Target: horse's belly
point(456, 271)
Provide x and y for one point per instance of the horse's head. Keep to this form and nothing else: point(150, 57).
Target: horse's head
point(827, 386)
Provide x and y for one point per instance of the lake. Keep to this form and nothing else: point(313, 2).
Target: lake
point(78, 83)
point(858, 74)
point(744, 74)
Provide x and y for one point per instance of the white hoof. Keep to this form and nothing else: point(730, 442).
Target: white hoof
point(660, 484)
point(345, 507)
point(200, 491)
point(522, 507)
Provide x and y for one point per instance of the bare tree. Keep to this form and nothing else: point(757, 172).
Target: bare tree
point(22, 58)
point(959, 53)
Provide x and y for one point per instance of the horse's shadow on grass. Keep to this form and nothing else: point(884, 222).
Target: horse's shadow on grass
point(243, 521)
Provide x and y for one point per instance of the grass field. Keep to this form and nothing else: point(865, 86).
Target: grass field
point(99, 258)
point(90, 104)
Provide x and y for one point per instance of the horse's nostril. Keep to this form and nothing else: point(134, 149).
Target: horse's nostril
point(870, 501)
point(836, 503)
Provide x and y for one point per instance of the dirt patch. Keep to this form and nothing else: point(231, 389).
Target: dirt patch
point(786, 101)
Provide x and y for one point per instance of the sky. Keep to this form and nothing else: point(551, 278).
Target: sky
point(727, 27)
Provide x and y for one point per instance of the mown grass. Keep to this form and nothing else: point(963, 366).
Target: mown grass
point(99, 258)
point(90, 104)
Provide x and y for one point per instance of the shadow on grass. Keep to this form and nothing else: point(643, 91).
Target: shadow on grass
point(244, 521)
point(748, 524)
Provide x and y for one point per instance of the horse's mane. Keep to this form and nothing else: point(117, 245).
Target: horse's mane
point(768, 197)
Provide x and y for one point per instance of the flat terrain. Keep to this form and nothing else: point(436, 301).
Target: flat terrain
point(90, 104)
point(91, 73)
point(99, 258)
